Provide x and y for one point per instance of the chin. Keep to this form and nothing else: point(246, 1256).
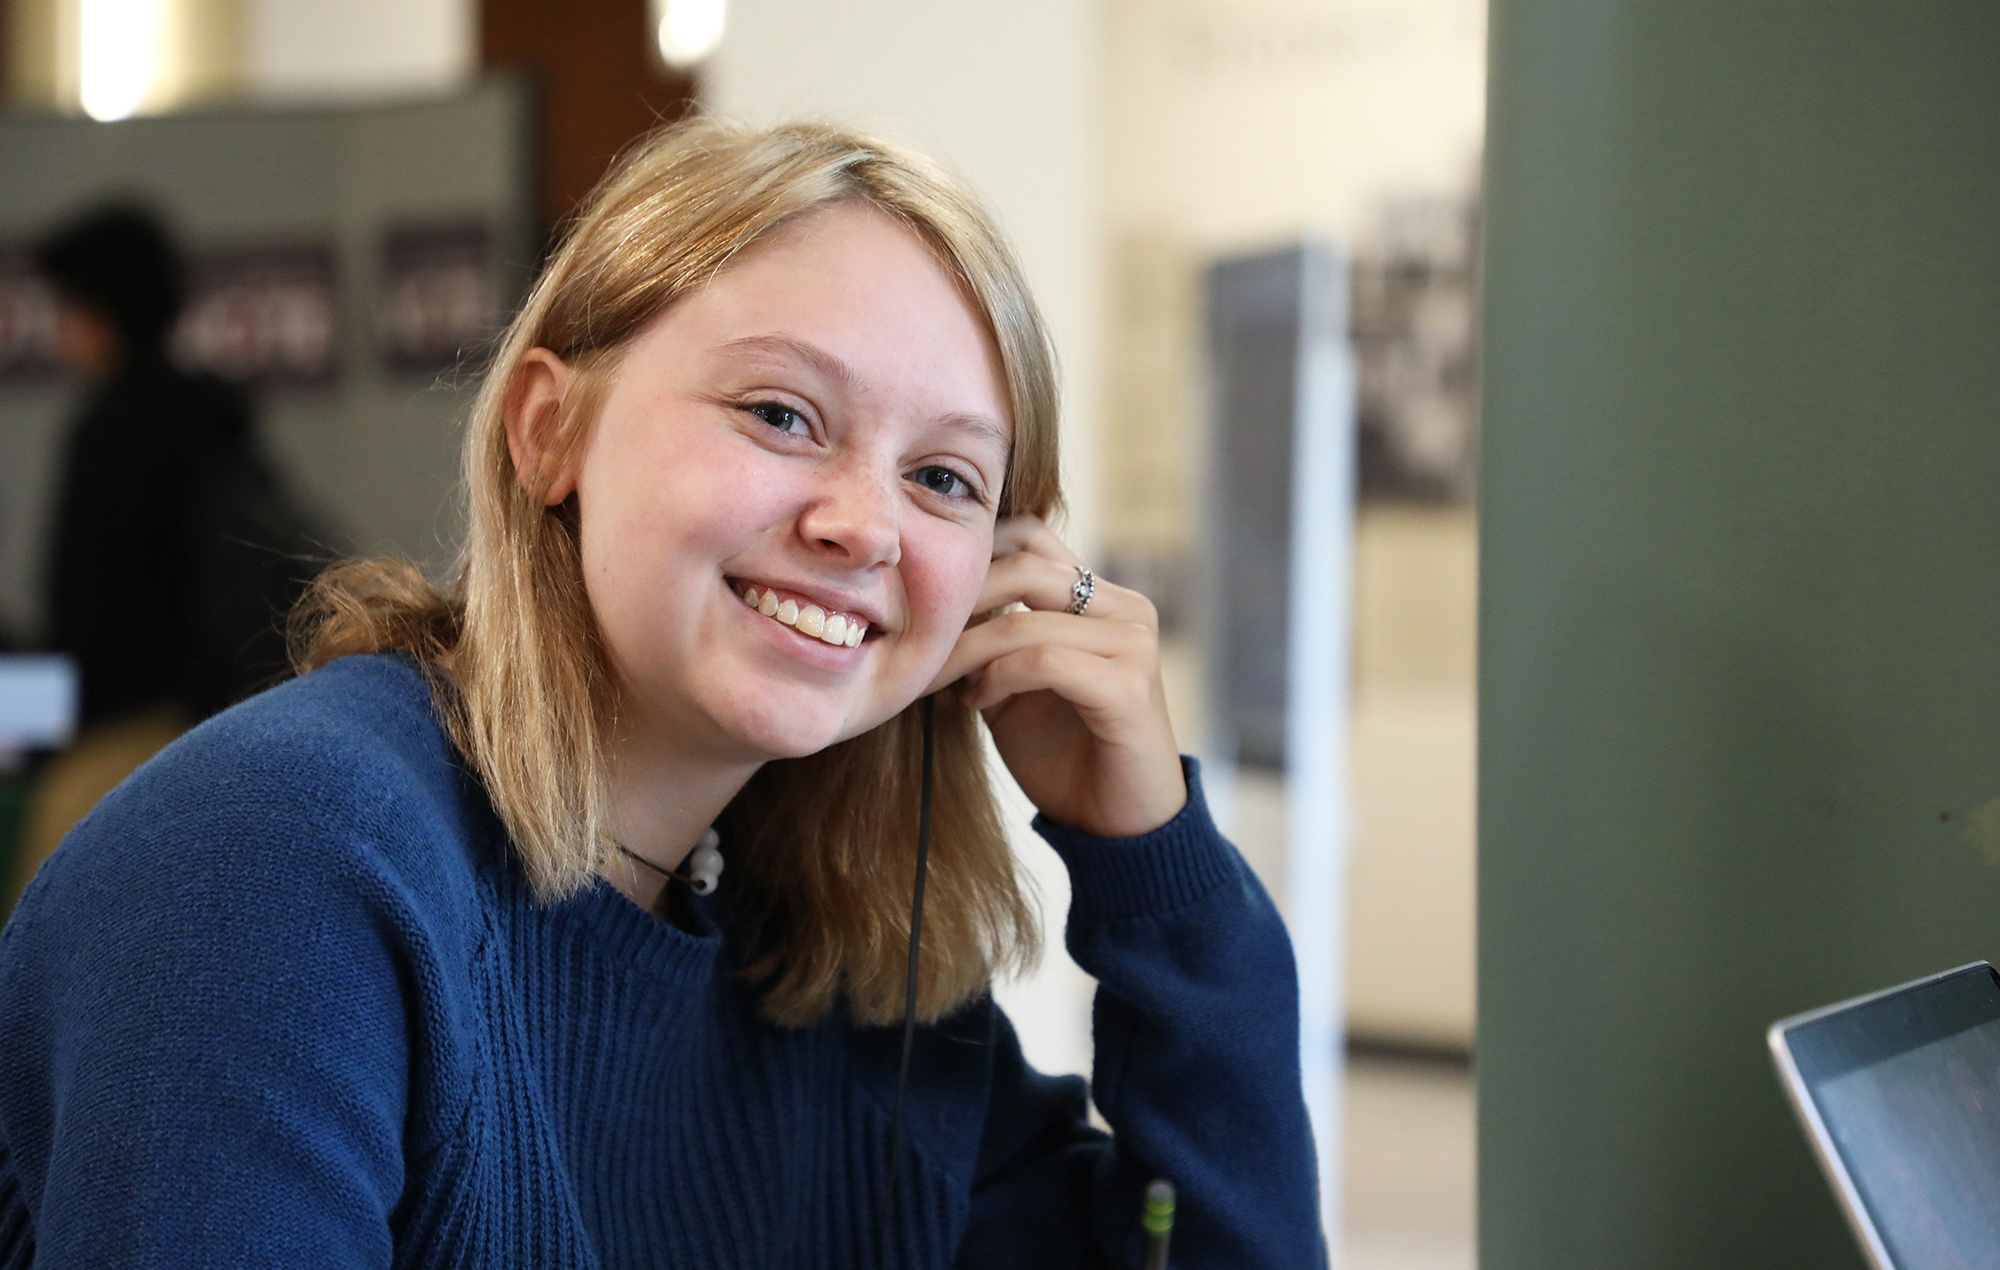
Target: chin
point(797, 745)
point(791, 733)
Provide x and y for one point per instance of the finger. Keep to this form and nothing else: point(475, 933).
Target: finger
point(1041, 583)
point(1093, 684)
point(1014, 632)
point(1028, 533)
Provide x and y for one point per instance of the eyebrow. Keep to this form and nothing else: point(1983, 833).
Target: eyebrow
point(827, 366)
point(981, 425)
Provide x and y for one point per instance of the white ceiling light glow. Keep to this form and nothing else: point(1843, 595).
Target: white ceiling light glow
point(119, 54)
point(689, 30)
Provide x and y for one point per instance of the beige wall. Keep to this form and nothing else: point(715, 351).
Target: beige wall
point(1411, 885)
point(1231, 124)
point(313, 49)
point(1241, 120)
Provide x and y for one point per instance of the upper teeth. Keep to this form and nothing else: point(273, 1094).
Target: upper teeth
point(832, 628)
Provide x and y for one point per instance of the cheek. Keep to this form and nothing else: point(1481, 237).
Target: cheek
point(945, 576)
point(653, 509)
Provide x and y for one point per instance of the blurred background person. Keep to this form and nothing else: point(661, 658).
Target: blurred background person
point(174, 549)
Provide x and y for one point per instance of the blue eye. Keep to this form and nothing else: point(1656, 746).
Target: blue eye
point(942, 480)
point(782, 417)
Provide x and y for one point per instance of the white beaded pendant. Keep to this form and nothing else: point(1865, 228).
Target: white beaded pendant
point(705, 864)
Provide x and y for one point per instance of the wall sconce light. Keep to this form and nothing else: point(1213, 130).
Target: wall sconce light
point(689, 30)
point(119, 48)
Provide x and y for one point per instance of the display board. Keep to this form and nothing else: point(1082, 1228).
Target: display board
point(1277, 617)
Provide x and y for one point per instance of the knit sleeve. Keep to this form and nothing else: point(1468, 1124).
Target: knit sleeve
point(1196, 1071)
point(209, 1004)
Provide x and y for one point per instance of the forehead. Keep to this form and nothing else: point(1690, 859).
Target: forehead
point(862, 291)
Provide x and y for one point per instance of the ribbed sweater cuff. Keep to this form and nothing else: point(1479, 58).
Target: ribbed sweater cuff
point(1112, 879)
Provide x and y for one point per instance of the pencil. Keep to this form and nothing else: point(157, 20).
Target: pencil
point(1158, 1221)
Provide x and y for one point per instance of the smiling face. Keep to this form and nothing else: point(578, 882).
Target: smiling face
point(824, 424)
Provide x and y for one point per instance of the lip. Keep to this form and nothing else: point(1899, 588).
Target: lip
point(831, 601)
point(825, 658)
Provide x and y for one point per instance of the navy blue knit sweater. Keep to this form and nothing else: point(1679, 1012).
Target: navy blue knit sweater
point(284, 999)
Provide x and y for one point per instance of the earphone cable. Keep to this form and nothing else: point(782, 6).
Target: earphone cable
point(910, 989)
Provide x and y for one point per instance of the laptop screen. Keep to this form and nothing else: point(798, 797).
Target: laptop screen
point(1908, 1087)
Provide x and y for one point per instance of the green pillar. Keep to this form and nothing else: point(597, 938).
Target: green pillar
point(1740, 616)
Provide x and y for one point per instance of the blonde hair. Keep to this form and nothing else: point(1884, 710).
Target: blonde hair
point(822, 848)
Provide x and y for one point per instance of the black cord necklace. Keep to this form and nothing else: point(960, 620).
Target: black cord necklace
point(910, 988)
point(670, 875)
point(700, 871)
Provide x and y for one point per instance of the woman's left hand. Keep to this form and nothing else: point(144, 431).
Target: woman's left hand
point(1074, 702)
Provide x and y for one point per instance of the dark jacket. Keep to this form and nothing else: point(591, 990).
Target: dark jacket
point(133, 546)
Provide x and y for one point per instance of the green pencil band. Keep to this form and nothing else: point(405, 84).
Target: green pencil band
point(1158, 1221)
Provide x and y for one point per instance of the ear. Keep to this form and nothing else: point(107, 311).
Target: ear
point(533, 413)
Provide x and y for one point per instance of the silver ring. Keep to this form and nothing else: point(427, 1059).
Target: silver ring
point(1081, 590)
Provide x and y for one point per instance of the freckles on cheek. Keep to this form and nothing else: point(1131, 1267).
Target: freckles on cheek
point(699, 499)
point(950, 583)
point(724, 494)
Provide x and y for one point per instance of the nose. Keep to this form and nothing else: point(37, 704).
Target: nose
point(856, 514)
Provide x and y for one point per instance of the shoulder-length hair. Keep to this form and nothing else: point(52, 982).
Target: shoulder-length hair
point(822, 849)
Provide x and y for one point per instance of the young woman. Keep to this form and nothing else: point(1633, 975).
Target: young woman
point(428, 957)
